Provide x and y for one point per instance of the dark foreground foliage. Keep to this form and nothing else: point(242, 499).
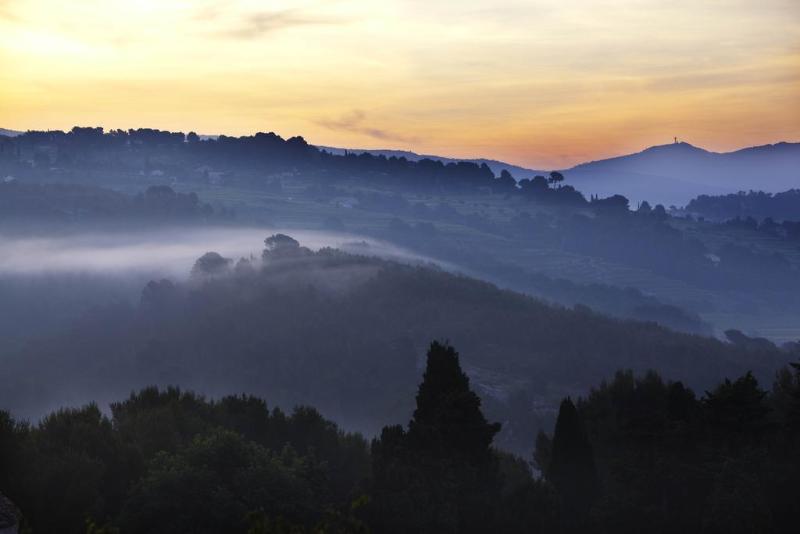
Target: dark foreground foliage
point(634, 455)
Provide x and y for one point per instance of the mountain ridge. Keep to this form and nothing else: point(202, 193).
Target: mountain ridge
point(672, 173)
point(518, 171)
point(676, 173)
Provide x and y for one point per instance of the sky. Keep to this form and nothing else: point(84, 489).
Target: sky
point(541, 83)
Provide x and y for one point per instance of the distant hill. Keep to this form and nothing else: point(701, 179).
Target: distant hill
point(9, 133)
point(497, 166)
point(676, 173)
point(665, 174)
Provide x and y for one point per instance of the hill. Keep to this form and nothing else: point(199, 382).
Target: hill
point(676, 173)
point(758, 205)
point(665, 174)
point(529, 237)
point(496, 166)
point(347, 334)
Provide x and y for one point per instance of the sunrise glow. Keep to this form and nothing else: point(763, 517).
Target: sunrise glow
point(541, 83)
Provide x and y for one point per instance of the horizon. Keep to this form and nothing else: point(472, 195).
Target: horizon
point(452, 266)
point(413, 150)
point(547, 85)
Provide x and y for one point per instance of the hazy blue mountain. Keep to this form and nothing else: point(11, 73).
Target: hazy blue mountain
point(497, 166)
point(676, 173)
point(670, 174)
point(666, 174)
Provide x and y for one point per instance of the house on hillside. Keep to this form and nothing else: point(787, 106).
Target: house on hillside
point(9, 516)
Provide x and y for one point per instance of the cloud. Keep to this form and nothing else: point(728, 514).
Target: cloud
point(723, 79)
point(354, 122)
point(6, 12)
point(255, 25)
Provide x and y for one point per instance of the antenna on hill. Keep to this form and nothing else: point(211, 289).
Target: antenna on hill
point(676, 140)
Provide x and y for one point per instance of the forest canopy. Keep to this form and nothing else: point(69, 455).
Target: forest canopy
point(635, 451)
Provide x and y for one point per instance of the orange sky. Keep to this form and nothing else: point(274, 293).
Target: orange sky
point(543, 83)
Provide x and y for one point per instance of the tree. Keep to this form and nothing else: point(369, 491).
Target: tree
point(660, 212)
point(280, 244)
point(210, 264)
point(192, 137)
point(793, 412)
point(441, 475)
point(614, 203)
point(448, 416)
point(572, 469)
point(505, 182)
point(737, 411)
point(534, 186)
point(555, 178)
point(211, 485)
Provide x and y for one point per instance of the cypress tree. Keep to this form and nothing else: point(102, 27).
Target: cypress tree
point(442, 475)
point(572, 469)
point(448, 419)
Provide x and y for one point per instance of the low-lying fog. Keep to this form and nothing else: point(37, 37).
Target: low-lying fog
point(168, 252)
point(51, 282)
point(48, 282)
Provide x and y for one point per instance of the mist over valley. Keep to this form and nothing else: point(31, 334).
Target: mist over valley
point(301, 267)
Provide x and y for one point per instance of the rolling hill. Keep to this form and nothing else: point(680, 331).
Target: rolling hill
point(676, 173)
point(520, 173)
point(347, 333)
point(670, 174)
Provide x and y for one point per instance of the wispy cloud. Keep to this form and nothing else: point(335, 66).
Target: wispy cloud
point(354, 122)
point(6, 12)
point(727, 78)
point(255, 25)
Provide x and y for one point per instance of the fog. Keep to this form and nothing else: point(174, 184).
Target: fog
point(49, 282)
point(168, 252)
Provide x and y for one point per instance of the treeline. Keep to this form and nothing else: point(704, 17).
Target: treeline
point(70, 203)
point(648, 454)
point(645, 238)
point(147, 152)
point(758, 205)
point(262, 160)
point(172, 461)
point(628, 303)
point(635, 454)
point(784, 229)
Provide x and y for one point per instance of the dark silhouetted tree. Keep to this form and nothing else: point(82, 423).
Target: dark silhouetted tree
point(280, 244)
point(572, 469)
point(210, 264)
point(441, 475)
point(506, 182)
point(737, 411)
point(555, 178)
point(448, 417)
